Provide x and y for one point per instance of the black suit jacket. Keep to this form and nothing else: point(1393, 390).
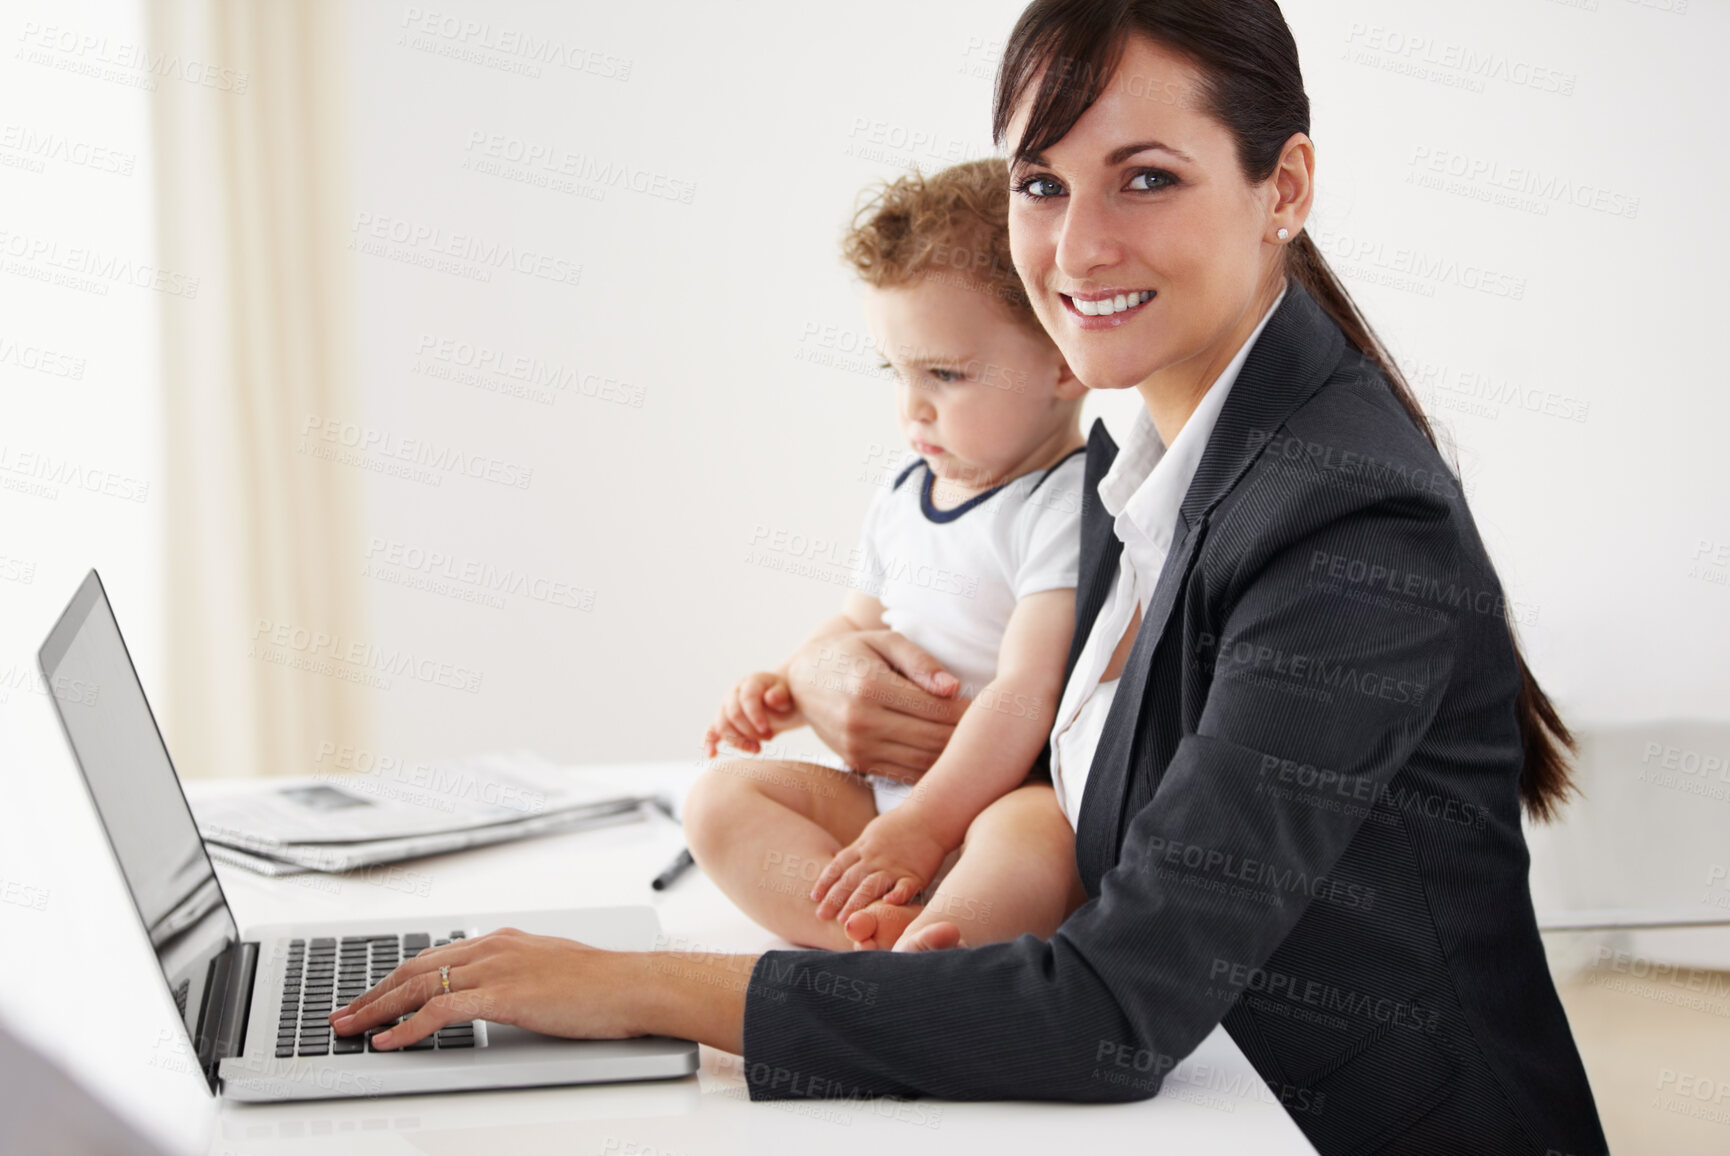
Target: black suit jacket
point(1302, 819)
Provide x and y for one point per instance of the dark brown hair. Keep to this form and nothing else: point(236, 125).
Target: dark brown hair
point(1251, 84)
point(952, 225)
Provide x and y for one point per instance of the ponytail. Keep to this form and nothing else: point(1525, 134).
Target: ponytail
point(1545, 775)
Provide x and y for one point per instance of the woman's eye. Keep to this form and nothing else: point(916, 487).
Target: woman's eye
point(1149, 180)
point(1039, 188)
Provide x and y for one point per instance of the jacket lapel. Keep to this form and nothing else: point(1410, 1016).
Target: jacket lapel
point(1293, 358)
point(1102, 811)
point(1100, 547)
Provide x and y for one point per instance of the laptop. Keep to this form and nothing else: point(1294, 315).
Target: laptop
point(255, 1007)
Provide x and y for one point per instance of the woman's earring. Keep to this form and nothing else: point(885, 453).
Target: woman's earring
point(1284, 233)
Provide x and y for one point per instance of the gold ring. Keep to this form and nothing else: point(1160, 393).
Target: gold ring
point(445, 977)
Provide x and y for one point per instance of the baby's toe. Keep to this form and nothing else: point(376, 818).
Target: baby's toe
point(861, 928)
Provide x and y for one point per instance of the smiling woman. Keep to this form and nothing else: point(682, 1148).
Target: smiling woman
point(1204, 166)
point(1261, 753)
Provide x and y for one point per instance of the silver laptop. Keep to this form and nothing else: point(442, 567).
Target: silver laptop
point(255, 1007)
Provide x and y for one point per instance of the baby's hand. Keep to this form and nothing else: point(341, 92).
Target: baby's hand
point(892, 859)
point(759, 707)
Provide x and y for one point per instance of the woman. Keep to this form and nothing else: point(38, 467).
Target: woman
point(1295, 706)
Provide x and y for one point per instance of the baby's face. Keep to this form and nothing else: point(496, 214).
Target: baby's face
point(977, 395)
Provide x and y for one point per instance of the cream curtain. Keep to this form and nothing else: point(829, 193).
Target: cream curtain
point(263, 539)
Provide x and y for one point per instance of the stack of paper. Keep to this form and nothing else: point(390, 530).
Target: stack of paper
point(338, 822)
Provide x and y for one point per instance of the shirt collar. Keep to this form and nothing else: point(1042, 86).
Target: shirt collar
point(1147, 480)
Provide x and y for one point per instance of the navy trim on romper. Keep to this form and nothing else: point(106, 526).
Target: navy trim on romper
point(932, 513)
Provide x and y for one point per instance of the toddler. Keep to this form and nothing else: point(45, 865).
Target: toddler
point(970, 552)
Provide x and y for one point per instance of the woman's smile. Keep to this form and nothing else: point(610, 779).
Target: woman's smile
point(1105, 309)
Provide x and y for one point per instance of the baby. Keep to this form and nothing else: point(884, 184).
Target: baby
point(971, 553)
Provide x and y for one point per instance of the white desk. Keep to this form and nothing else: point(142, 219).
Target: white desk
point(1213, 1102)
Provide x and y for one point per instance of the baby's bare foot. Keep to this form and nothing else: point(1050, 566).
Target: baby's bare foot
point(876, 926)
point(938, 936)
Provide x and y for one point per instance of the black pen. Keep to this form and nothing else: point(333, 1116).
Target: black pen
point(674, 869)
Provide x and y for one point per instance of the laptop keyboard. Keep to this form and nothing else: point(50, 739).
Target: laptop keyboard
point(325, 974)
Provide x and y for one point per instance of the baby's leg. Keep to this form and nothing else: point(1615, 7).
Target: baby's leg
point(1016, 874)
point(764, 829)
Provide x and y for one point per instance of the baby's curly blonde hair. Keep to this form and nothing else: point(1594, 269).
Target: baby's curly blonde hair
point(953, 225)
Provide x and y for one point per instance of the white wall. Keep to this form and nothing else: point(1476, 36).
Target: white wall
point(718, 313)
point(715, 313)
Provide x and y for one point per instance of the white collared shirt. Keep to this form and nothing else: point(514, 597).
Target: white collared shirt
point(1143, 492)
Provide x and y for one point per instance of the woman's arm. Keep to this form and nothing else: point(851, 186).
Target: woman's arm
point(1138, 976)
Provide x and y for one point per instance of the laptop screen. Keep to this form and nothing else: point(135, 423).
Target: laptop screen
point(139, 802)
